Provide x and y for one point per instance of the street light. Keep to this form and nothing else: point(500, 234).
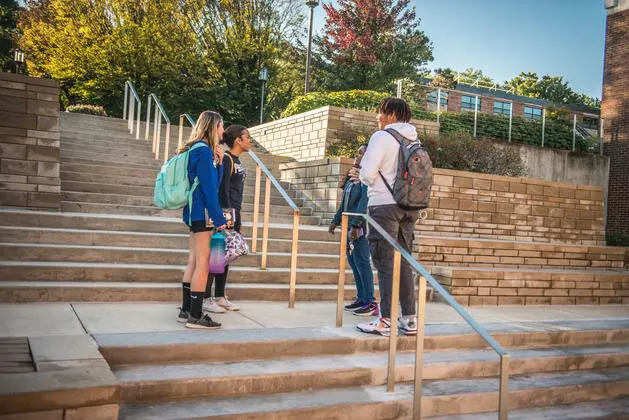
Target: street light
point(263, 77)
point(311, 4)
point(18, 57)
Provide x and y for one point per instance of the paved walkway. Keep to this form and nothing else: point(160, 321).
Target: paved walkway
point(42, 319)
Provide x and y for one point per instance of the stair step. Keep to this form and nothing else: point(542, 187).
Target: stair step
point(75, 206)
point(137, 223)
point(605, 409)
point(87, 161)
point(227, 346)
point(82, 291)
point(158, 273)
point(105, 169)
point(193, 380)
point(14, 235)
point(142, 255)
point(440, 397)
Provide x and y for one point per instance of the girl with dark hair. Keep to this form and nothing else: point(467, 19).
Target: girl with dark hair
point(237, 138)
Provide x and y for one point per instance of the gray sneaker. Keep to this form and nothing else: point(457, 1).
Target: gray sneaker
point(182, 318)
point(203, 323)
point(407, 325)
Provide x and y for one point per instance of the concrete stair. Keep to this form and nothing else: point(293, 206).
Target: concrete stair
point(336, 373)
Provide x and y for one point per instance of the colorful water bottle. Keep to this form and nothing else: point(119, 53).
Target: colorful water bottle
point(217, 253)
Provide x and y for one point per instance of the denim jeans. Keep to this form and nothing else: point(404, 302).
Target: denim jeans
point(400, 224)
point(361, 266)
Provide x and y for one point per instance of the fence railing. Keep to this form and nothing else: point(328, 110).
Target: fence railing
point(131, 98)
point(271, 180)
point(424, 277)
point(517, 125)
point(157, 126)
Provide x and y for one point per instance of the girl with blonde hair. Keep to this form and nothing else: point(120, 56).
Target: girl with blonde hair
point(204, 215)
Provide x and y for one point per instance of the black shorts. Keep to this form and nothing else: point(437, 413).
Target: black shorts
point(198, 226)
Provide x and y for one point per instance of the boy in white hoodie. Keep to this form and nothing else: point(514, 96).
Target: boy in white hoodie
point(378, 164)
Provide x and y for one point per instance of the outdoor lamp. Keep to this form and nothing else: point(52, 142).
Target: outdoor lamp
point(311, 4)
point(263, 77)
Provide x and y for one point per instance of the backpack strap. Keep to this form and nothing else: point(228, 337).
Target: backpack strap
point(195, 183)
point(232, 161)
point(398, 137)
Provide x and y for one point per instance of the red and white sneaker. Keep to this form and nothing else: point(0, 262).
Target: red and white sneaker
point(379, 326)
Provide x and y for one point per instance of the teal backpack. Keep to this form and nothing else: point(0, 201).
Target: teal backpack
point(172, 187)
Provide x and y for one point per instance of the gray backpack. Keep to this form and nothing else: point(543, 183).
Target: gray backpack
point(413, 180)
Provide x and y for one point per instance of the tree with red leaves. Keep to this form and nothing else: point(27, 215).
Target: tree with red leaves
point(367, 44)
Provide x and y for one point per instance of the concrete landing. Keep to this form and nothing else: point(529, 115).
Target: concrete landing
point(43, 319)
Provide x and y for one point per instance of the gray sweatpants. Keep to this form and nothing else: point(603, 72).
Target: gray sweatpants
point(400, 225)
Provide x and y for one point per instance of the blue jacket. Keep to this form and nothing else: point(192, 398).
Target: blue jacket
point(354, 200)
point(205, 196)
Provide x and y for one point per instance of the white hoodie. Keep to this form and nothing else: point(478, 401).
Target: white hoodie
point(382, 156)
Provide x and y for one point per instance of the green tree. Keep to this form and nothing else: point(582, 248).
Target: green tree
point(444, 78)
point(93, 46)
point(367, 44)
point(471, 75)
point(9, 10)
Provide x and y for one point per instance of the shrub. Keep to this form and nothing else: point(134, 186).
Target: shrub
point(365, 100)
point(457, 150)
point(617, 238)
point(87, 109)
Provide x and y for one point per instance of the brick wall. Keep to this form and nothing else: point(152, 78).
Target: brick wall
point(29, 142)
point(476, 205)
point(305, 137)
point(499, 207)
point(615, 112)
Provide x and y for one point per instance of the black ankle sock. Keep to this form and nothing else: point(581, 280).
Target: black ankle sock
point(196, 304)
point(208, 286)
point(185, 306)
point(221, 279)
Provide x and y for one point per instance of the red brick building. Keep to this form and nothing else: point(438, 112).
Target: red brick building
point(615, 113)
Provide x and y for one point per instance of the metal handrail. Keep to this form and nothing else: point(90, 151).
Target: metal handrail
point(400, 252)
point(157, 128)
point(181, 121)
point(271, 180)
point(128, 108)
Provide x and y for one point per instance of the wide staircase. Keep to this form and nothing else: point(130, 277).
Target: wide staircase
point(109, 238)
point(110, 244)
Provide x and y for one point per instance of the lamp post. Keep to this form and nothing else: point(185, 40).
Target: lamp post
point(18, 57)
point(263, 77)
point(311, 4)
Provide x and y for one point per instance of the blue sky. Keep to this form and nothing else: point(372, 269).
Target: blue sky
point(504, 37)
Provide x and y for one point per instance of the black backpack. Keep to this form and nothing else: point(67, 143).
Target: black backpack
point(413, 180)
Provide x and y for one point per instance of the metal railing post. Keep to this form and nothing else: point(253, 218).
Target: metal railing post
point(137, 131)
point(503, 393)
point(293, 260)
point(475, 113)
point(124, 106)
point(180, 140)
point(155, 122)
point(419, 349)
point(340, 298)
point(148, 119)
point(131, 115)
point(438, 104)
point(256, 210)
point(574, 131)
point(602, 123)
point(167, 145)
point(395, 302)
point(159, 135)
point(510, 120)
point(265, 228)
point(543, 124)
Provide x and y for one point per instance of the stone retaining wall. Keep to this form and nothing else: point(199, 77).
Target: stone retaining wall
point(29, 142)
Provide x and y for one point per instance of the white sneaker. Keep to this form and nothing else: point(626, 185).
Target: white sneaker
point(379, 326)
point(223, 302)
point(408, 324)
point(210, 305)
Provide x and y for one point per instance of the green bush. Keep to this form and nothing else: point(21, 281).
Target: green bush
point(87, 109)
point(617, 238)
point(456, 150)
point(365, 100)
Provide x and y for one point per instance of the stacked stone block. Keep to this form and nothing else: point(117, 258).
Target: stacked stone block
point(29, 142)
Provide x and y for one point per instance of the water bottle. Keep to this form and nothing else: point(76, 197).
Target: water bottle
point(217, 253)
